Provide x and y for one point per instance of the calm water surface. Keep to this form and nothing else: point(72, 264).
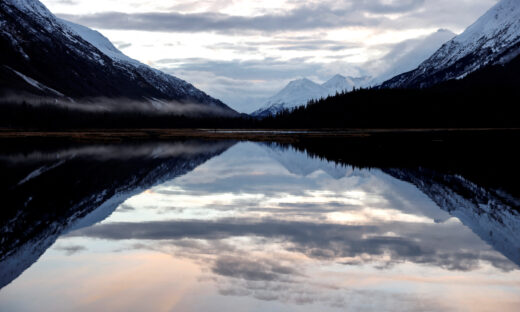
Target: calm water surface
point(255, 227)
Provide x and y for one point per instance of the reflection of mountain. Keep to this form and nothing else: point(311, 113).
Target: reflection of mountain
point(488, 213)
point(47, 194)
point(485, 200)
point(300, 163)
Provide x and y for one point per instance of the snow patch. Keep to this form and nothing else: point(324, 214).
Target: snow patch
point(36, 84)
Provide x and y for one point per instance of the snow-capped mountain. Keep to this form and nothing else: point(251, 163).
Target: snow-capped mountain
point(341, 83)
point(493, 39)
point(46, 56)
point(296, 93)
point(300, 163)
point(300, 92)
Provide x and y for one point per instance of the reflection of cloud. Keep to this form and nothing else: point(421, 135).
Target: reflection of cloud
point(70, 250)
point(417, 243)
point(344, 299)
point(252, 269)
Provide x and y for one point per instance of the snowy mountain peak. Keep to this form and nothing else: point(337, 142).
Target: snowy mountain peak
point(300, 92)
point(493, 39)
point(303, 82)
point(336, 77)
point(338, 83)
point(296, 93)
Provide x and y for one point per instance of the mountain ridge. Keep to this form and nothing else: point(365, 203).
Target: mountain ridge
point(493, 39)
point(36, 44)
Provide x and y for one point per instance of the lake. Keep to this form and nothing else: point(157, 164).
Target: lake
point(207, 225)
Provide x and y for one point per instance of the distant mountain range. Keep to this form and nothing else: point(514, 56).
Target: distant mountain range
point(403, 58)
point(494, 39)
point(41, 55)
point(299, 92)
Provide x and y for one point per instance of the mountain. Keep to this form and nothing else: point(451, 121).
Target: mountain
point(299, 92)
point(340, 83)
point(296, 93)
point(409, 54)
point(299, 163)
point(494, 39)
point(42, 55)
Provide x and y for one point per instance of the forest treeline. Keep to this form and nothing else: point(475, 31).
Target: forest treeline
point(487, 98)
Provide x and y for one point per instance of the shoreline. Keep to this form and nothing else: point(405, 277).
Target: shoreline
point(282, 135)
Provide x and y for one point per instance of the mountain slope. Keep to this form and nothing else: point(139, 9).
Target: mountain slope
point(39, 53)
point(493, 39)
point(409, 54)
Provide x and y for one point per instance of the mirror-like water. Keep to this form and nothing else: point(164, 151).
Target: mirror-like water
point(252, 227)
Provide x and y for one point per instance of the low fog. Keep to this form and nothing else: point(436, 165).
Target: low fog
point(150, 106)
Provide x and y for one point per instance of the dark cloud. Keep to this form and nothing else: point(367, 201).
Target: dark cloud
point(302, 18)
point(306, 16)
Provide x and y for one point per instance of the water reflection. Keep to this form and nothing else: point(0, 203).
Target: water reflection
point(47, 193)
point(261, 227)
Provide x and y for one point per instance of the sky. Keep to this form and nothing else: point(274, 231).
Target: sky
point(243, 52)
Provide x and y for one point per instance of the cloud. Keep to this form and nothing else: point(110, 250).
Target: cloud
point(122, 45)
